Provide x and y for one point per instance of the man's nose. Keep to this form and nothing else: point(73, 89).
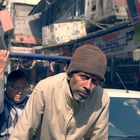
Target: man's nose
point(88, 84)
point(20, 91)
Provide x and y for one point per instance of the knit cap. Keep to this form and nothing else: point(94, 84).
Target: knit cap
point(89, 59)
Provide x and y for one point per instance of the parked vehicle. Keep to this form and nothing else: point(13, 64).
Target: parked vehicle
point(124, 118)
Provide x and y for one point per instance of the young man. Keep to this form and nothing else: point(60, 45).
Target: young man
point(69, 106)
point(12, 98)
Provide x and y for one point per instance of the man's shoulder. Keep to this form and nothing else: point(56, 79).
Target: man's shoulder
point(53, 80)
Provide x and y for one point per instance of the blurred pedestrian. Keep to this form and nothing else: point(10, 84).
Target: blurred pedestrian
point(70, 105)
point(55, 68)
point(12, 98)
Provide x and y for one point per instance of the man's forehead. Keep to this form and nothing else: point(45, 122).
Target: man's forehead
point(90, 75)
point(19, 81)
point(84, 73)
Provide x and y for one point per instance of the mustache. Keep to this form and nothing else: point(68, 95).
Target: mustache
point(84, 91)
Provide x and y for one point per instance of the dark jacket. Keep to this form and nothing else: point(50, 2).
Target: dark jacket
point(9, 113)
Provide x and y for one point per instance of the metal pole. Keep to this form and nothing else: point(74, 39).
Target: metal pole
point(40, 57)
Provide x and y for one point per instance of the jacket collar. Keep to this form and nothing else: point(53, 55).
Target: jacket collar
point(70, 103)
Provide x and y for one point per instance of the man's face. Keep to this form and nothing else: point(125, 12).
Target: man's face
point(82, 84)
point(17, 90)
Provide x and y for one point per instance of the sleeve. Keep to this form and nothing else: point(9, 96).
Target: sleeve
point(100, 130)
point(30, 119)
point(1, 94)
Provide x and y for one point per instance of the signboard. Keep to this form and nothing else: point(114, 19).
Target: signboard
point(22, 50)
point(25, 39)
point(6, 20)
point(134, 10)
point(60, 33)
point(137, 2)
point(116, 42)
point(136, 55)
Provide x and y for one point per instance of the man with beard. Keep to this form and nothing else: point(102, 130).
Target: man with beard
point(71, 105)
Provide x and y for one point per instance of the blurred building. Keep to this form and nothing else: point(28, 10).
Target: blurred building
point(58, 27)
point(108, 24)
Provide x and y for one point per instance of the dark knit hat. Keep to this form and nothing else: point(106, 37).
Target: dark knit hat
point(89, 59)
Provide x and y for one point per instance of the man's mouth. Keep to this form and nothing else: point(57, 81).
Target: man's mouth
point(83, 94)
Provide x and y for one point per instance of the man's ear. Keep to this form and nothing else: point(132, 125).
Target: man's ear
point(69, 75)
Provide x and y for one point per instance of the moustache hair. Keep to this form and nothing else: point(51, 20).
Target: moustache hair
point(84, 91)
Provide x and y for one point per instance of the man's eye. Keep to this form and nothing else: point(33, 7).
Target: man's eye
point(96, 81)
point(85, 77)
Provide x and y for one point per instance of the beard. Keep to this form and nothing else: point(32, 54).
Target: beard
point(80, 95)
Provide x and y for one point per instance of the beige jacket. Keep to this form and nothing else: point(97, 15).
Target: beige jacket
point(61, 117)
